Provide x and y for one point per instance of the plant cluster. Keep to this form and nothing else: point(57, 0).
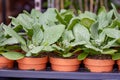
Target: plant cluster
point(65, 33)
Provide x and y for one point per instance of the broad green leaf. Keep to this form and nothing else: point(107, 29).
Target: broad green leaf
point(48, 17)
point(82, 56)
point(68, 18)
point(102, 20)
point(68, 35)
point(67, 54)
point(25, 20)
point(72, 23)
point(12, 33)
point(88, 14)
point(94, 30)
point(115, 12)
point(35, 13)
point(110, 15)
point(116, 56)
point(81, 33)
point(90, 46)
point(109, 44)
point(52, 34)
point(10, 41)
point(87, 22)
point(37, 49)
point(48, 48)
point(109, 51)
point(76, 43)
point(59, 18)
point(37, 35)
point(57, 47)
point(14, 21)
point(102, 10)
point(13, 55)
point(100, 39)
point(113, 33)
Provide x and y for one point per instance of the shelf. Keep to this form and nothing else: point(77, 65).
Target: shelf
point(49, 74)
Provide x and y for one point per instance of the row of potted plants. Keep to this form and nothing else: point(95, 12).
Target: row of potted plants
point(35, 38)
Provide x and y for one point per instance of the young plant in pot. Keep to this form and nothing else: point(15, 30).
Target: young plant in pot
point(116, 24)
point(7, 50)
point(64, 56)
point(98, 39)
point(36, 46)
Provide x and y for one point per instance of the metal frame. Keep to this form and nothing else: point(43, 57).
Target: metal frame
point(49, 74)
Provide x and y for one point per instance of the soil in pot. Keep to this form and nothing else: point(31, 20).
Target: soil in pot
point(64, 64)
point(33, 63)
point(99, 63)
point(6, 63)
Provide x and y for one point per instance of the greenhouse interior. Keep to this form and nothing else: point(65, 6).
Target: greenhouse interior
point(59, 39)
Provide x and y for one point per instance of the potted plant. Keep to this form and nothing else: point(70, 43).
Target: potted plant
point(64, 56)
point(37, 38)
point(7, 50)
point(117, 23)
point(98, 39)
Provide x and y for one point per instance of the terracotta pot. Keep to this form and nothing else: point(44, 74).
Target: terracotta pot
point(58, 64)
point(118, 63)
point(29, 63)
point(95, 65)
point(6, 63)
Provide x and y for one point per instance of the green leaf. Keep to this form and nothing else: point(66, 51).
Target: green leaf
point(110, 15)
point(12, 33)
point(68, 35)
point(10, 41)
point(116, 56)
point(115, 12)
point(94, 30)
point(87, 22)
point(90, 46)
point(89, 15)
point(48, 17)
point(109, 51)
point(67, 54)
point(101, 38)
point(37, 49)
point(102, 10)
point(57, 47)
point(102, 20)
point(25, 20)
point(82, 56)
point(81, 33)
point(68, 18)
point(113, 33)
point(14, 21)
point(72, 23)
point(35, 13)
point(37, 35)
point(52, 34)
point(109, 44)
point(48, 48)
point(59, 18)
point(13, 55)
